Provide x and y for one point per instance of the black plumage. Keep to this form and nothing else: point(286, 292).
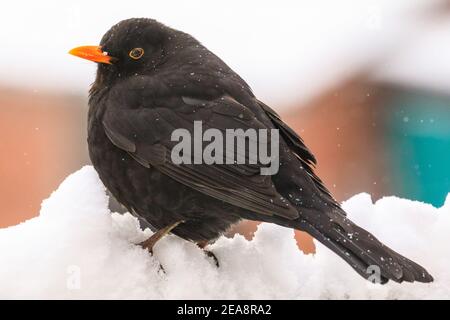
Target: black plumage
point(136, 103)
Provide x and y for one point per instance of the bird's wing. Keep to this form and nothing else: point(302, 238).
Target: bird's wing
point(293, 139)
point(298, 147)
point(145, 133)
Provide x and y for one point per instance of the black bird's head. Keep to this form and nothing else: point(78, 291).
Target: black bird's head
point(135, 46)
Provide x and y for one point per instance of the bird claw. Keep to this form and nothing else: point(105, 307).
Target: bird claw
point(212, 255)
point(202, 245)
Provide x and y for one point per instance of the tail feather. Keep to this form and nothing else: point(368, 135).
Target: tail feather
point(359, 248)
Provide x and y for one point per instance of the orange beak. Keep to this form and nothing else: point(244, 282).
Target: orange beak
point(92, 53)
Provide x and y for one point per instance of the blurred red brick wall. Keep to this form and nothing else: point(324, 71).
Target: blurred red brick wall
point(41, 139)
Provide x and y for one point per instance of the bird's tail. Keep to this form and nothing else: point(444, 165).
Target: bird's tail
point(360, 249)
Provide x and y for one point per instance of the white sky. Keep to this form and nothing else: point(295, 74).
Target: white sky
point(285, 50)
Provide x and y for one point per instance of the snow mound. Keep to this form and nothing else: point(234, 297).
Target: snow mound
point(77, 248)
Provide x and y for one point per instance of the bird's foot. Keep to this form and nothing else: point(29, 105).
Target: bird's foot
point(158, 235)
point(210, 254)
point(154, 238)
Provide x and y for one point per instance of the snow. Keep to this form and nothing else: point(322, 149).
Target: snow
point(76, 248)
point(420, 59)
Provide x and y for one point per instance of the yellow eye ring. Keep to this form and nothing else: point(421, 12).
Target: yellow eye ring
point(136, 53)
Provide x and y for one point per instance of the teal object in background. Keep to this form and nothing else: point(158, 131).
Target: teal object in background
point(418, 136)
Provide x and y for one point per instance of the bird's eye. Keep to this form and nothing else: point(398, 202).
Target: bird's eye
point(136, 53)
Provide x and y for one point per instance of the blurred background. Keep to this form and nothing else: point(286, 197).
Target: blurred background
point(365, 83)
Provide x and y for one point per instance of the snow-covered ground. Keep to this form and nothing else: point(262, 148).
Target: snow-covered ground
point(77, 249)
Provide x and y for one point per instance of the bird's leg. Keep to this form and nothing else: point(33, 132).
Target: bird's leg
point(150, 242)
point(202, 245)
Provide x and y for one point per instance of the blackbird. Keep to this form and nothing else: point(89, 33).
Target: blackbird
point(152, 80)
